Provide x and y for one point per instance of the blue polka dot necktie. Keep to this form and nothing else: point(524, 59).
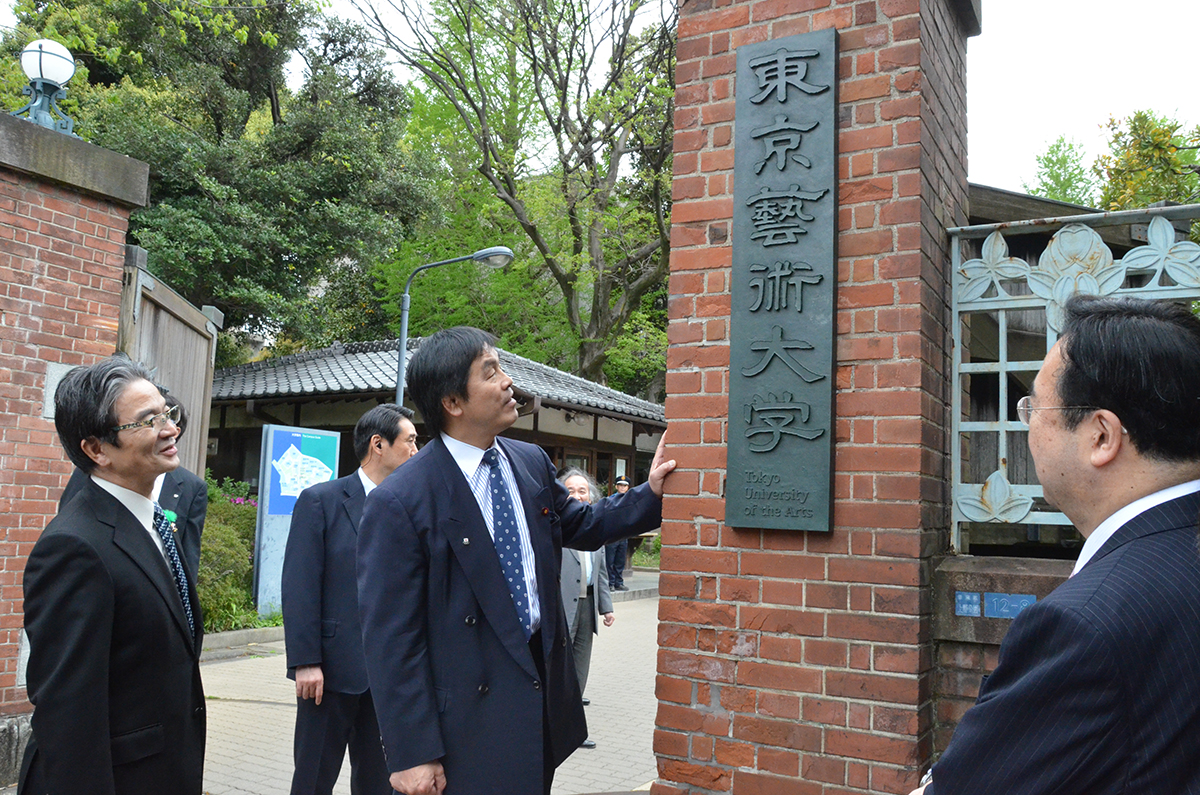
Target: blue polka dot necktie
point(507, 540)
point(181, 582)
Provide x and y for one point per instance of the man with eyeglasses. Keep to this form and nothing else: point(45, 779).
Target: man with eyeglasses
point(1097, 688)
point(182, 494)
point(111, 611)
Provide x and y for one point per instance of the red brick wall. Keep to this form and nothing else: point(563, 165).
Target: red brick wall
point(61, 258)
point(961, 668)
point(794, 662)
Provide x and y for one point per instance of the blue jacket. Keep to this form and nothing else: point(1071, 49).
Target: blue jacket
point(451, 672)
point(319, 588)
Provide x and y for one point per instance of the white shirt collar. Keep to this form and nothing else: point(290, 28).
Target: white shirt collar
point(1123, 516)
point(368, 484)
point(141, 508)
point(467, 456)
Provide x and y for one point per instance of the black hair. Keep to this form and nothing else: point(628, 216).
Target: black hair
point(1140, 360)
point(441, 368)
point(85, 404)
point(384, 420)
point(172, 402)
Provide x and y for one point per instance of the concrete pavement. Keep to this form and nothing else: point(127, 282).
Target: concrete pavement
point(252, 709)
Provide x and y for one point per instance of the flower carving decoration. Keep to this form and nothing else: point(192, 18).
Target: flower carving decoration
point(977, 275)
point(1075, 261)
point(994, 502)
point(1180, 261)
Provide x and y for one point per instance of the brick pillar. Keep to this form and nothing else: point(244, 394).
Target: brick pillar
point(802, 662)
point(64, 211)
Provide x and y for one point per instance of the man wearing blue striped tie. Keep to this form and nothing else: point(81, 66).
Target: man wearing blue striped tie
point(459, 556)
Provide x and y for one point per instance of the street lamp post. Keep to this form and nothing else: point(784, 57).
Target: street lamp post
point(48, 65)
point(495, 257)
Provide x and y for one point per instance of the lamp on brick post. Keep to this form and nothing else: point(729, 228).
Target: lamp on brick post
point(495, 257)
point(48, 65)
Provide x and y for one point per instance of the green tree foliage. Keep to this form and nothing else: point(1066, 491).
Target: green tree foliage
point(259, 198)
point(521, 304)
point(565, 113)
point(226, 576)
point(1062, 174)
point(1151, 158)
point(637, 363)
point(122, 33)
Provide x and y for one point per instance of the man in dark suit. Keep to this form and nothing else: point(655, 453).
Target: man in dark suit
point(181, 494)
point(585, 595)
point(320, 615)
point(458, 565)
point(113, 620)
point(614, 553)
point(1097, 688)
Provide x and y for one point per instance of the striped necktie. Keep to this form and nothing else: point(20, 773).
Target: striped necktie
point(181, 581)
point(507, 540)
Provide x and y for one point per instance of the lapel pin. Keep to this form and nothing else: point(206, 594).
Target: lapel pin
point(545, 512)
point(466, 542)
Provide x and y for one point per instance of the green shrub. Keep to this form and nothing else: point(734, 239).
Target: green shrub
point(226, 576)
point(648, 553)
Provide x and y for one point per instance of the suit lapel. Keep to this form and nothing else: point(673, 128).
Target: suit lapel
point(467, 534)
point(131, 538)
point(356, 495)
point(172, 487)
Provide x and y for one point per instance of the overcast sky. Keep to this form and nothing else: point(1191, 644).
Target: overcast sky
point(1044, 68)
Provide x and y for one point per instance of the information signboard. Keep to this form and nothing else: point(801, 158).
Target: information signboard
point(292, 460)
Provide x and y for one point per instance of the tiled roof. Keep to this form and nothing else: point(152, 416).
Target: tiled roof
point(371, 367)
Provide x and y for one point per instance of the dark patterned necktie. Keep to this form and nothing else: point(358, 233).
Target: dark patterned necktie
point(181, 582)
point(507, 540)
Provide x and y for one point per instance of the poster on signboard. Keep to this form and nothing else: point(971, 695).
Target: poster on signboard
point(292, 460)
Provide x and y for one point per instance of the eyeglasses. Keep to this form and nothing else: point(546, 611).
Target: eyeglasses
point(1025, 409)
point(159, 421)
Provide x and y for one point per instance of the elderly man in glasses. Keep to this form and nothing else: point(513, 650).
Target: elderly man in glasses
point(111, 611)
point(1097, 688)
point(182, 494)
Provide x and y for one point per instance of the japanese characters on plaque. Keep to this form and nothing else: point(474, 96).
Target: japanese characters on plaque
point(782, 357)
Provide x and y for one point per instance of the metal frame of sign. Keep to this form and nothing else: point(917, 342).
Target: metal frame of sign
point(782, 354)
point(308, 457)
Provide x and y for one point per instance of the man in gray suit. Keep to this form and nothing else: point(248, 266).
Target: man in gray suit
point(585, 594)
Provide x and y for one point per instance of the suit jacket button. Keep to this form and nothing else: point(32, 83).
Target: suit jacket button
point(537, 685)
point(470, 620)
point(483, 690)
point(564, 641)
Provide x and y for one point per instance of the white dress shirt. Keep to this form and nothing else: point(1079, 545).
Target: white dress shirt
point(470, 460)
point(586, 572)
point(1123, 516)
point(368, 484)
